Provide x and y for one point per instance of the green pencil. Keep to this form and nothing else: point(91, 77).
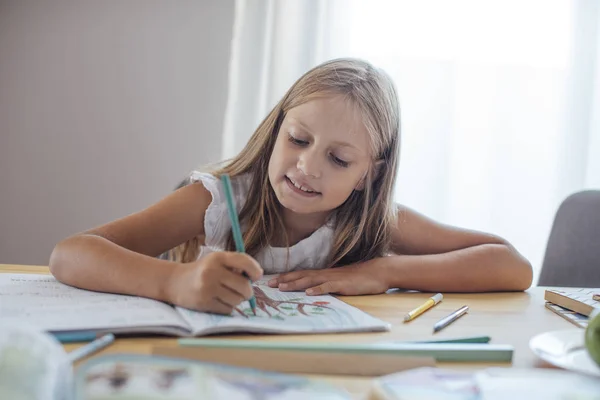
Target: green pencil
point(235, 227)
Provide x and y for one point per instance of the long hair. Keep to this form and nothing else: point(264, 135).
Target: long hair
point(363, 222)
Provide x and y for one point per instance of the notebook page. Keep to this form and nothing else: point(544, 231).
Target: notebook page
point(286, 312)
point(583, 295)
point(42, 301)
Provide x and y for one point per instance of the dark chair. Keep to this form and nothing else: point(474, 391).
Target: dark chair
point(572, 256)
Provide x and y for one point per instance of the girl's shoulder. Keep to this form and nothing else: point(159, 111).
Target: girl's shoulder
point(240, 185)
point(216, 217)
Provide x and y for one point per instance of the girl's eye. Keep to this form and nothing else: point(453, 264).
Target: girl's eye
point(302, 143)
point(297, 142)
point(339, 161)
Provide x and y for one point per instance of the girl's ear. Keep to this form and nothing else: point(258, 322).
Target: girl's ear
point(376, 170)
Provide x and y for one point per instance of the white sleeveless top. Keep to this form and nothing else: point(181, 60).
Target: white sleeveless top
point(309, 253)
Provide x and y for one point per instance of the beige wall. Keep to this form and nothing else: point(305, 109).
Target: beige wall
point(104, 106)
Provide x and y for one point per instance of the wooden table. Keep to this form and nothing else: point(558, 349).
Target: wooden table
point(508, 318)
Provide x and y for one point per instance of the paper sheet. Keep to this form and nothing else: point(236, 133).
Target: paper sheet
point(286, 312)
point(42, 301)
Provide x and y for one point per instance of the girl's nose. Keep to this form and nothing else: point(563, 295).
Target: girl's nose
point(308, 163)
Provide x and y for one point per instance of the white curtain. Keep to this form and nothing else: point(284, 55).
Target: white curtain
point(500, 100)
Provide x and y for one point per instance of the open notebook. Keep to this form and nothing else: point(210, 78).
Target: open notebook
point(573, 317)
point(42, 301)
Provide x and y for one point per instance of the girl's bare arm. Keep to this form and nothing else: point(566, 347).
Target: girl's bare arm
point(435, 257)
point(120, 257)
point(428, 256)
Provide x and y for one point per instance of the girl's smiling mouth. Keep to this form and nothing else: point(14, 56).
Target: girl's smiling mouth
point(301, 188)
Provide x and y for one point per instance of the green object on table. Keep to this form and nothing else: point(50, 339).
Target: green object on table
point(592, 336)
point(235, 227)
point(467, 352)
point(472, 339)
point(74, 337)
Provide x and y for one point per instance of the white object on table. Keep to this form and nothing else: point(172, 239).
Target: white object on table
point(565, 349)
point(33, 365)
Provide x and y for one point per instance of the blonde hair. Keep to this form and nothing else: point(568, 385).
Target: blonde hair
point(358, 236)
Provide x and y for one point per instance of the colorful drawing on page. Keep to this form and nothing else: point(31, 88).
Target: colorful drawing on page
point(283, 312)
point(282, 308)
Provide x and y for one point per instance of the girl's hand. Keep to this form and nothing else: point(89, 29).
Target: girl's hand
point(214, 283)
point(356, 279)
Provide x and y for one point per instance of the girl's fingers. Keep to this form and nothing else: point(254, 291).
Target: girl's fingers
point(217, 306)
point(229, 297)
point(302, 283)
point(326, 287)
point(237, 283)
point(288, 277)
point(242, 262)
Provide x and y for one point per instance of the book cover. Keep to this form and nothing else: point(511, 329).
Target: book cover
point(579, 300)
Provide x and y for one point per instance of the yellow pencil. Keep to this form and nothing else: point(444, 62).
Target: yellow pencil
point(432, 301)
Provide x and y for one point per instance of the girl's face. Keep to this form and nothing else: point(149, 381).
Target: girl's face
point(322, 153)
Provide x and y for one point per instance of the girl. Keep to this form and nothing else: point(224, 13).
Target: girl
point(314, 188)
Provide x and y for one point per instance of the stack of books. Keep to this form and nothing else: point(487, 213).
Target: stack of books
point(574, 305)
